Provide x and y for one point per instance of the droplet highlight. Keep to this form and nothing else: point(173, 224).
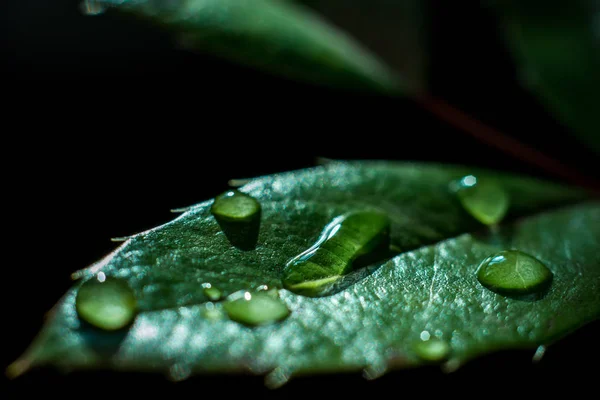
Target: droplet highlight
point(514, 272)
point(238, 214)
point(256, 309)
point(105, 302)
point(432, 349)
point(485, 199)
point(348, 242)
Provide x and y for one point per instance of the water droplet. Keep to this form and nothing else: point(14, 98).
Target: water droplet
point(91, 7)
point(211, 292)
point(238, 215)
point(483, 198)
point(106, 302)
point(234, 205)
point(513, 272)
point(212, 312)
point(256, 309)
point(432, 349)
point(348, 242)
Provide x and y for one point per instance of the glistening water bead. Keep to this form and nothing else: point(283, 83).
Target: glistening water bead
point(432, 349)
point(483, 198)
point(514, 272)
point(255, 309)
point(105, 302)
point(348, 238)
point(238, 215)
point(235, 206)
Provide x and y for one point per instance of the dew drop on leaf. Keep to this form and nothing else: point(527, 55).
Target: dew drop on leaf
point(238, 215)
point(213, 293)
point(106, 302)
point(255, 309)
point(234, 205)
point(344, 244)
point(484, 199)
point(514, 272)
point(431, 349)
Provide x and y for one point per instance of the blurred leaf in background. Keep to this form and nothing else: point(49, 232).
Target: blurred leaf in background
point(556, 45)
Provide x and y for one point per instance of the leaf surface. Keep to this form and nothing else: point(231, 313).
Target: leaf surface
point(376, 315)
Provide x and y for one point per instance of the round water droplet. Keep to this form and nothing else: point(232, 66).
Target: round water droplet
point(238, 215)
point(235, 206)
point(212, 292)
point(432, 349)
point(346, 243)
point(106, 302)
point(211, 312)
point(483, 198)
point(256, 309)
point(513, 272)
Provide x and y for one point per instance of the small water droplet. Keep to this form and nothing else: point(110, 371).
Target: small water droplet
point(212, 312)
point(432, 349)
point(211, 292)
point(514, 272)
point(483, 198)
point(106, 302)
point(91, 7)
point(346, 243)
point(425, 335)
point(238, 215)
point(256, 309)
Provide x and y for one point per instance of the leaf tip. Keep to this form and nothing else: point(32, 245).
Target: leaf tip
point(451, 365)
point(18, 368)
point(277, 378)
point(375, 371)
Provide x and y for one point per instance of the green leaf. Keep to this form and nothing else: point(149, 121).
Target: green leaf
point(376, 317)
point(557, 47)
point(294, 40)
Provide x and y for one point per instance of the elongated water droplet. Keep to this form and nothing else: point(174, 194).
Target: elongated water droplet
point(91, 7)
point(238, 215)
point(348, 242)
point(105, 302)
point(256, 309)
point(211, 292)
point(432, 349)
point(483, 198)
point(514, 272)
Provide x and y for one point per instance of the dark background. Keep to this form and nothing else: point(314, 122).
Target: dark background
point(108, 125)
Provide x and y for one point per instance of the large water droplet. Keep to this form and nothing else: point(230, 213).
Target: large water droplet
point(432, 349)
point(91, 7)
point(483, 198)
point(348, 242)
point(105, 302)
point(513, 272)
point(256, 309)
point(238, 215)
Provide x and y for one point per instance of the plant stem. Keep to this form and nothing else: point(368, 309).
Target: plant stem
point(505, 143)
